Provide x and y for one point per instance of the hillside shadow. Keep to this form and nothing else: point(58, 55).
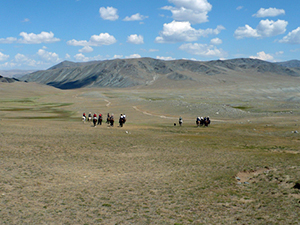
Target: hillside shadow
point(73, 84)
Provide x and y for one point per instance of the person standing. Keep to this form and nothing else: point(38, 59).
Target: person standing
point(180, 121)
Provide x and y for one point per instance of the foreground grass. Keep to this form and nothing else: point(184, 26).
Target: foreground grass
point(66, 172)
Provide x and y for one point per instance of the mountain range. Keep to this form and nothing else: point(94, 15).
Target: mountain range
point(148, 71)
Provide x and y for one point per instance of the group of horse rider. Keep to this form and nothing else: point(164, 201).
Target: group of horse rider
point(109, 120)
point(200, 121)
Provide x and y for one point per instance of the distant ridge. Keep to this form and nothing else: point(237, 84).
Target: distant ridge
point(7, 79)
point(148, 71)
point(15, 73)
point(290, 64)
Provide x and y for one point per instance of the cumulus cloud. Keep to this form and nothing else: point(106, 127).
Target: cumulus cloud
point(21, 59)
point(194, 11)
point(135, 17)
point(86, 49)
point(48, 56)
point(8, 40)
point(216, 41)
point(82, 58)
point(293, 37)
point(102, 39)
point(203, 50)
point(43, 37)
point(3, 57)
point(265, 28)
point(262, 56)
point(182, 31)
point(165, 58)
point(133, 56)
point(95, 40)
point(135, 39)
point(109, 13)
point(270, 12)
point(118, 56)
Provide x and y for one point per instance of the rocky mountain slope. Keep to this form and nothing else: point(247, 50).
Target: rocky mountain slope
point(148, 71)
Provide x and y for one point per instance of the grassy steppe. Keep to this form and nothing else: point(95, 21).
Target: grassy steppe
point(54, 169)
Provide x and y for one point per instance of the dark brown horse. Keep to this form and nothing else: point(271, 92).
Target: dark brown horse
point(95, 121)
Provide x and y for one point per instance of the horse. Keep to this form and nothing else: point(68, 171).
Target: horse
point(95, 121)
point(206, 122)
point(122, 120)
point(83, 119)
point(111, 120)
point(100, 119)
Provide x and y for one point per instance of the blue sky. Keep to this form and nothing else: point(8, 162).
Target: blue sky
point(36, 34)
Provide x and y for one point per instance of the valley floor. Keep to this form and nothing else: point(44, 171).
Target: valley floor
point(242, 169)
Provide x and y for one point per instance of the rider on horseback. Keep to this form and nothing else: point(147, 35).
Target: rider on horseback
point(100, 119)
point(111, 119)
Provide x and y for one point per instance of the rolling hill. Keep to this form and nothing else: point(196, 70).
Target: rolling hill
point(122, 73)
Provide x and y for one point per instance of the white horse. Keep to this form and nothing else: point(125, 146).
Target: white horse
point(83, 119)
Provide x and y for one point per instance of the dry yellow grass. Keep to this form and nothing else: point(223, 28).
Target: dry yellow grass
point(54, 169)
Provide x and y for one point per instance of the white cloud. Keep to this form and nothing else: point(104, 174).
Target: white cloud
point(135, 39)
point(262, 56)
point(203, 50)
point(118, 56)
point(133, 56)
point(48, 56)
point(109, 13)
point(280, 53)
point(216, 41)
point(21, 60)
point(67, 56)
point(43, 37)
point(86, 49)
point(165, 58)
point(135, 17)
point(82, 58)
point(8, 40)
point(102, 39)
point(239, 7)
point(265, 28)
point(245, 32)
point(3, 57)
point(182, 31)
point(293, 37)
point(194, 11)
point(270, 12)
point(95, 40)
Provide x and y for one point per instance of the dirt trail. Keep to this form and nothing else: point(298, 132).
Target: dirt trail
point(108, 103)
